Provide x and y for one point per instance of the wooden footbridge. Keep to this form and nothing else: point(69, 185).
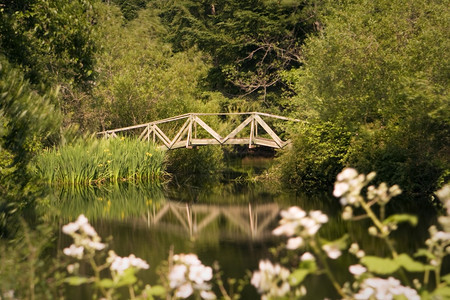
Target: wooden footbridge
point(194, 131)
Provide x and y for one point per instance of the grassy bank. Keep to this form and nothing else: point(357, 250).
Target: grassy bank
point(94, 161)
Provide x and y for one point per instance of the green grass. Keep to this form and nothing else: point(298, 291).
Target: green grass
point(95, 161)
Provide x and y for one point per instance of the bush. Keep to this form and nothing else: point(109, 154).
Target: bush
point(317, 154)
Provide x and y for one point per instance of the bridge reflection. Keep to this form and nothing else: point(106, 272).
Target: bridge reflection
point(238, 222)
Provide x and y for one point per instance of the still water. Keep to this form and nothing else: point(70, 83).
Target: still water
point(228, 221)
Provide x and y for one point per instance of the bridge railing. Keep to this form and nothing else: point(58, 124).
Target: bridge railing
point(187, 135)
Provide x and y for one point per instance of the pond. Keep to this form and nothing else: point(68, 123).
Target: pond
point(229, 221)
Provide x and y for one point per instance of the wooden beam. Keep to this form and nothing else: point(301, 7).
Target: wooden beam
point(238, 129)
point(208, 129)
point(180, 133)
point(269, 130)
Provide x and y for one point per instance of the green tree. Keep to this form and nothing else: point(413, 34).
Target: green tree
point(380, 71)
point(140, 77)
point(251, 42)
point(28, 121)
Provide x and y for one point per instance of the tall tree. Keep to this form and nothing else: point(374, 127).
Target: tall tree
point(251, 42)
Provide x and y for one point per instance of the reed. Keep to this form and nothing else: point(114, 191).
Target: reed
point(95, 161)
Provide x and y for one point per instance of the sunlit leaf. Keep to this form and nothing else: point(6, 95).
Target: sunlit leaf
point(400, 218)
point(157, 290)
point(424, 252)
point(106, 283)
point(75, 280)
point(409, 264)
point(298, 276)
point(380, 265)
point(446, 278)
point(444, 292)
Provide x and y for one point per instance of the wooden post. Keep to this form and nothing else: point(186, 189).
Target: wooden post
point(252, 133)
point(189, 134)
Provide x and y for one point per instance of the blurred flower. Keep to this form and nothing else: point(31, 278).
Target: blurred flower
point(188, 274)
point(349, 184)
point(74, 251)
point(295, 222)
point(357, 270)
point(120, 264)
point(384, 289)
point(307, 256)
point(271, 280)
point(332, 251)
point(294, 243)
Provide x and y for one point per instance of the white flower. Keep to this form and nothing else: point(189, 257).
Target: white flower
point(189, 259)
point(120, 264)
point(177, 275)
point(318, 216)
point(357, 269)
point(138, 262)
point(96, 245)
point(307, 256)
point(287, 229)
point(82, 220)
point(293, 213)
point(347, 174)
point(74, 251)
point(200, 274)
point(184, 291)
point(208, 295)
point(89, 230)
point(189, 274)
point(70, 228)
point(340, 188)
point(378, 288)
point(271, 280)
point(294, 243)
point(332, 251)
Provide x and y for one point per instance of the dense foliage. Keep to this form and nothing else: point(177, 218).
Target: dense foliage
point(379, 70)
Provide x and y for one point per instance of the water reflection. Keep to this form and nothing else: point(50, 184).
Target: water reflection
point(228, 221)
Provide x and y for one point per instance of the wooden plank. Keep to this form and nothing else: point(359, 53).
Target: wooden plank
point(269, 130)
point(237, 141)
point(266, 142)
point(238, 129)
point(208, 129)
point(204, 142)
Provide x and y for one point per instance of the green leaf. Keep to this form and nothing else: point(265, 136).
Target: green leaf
point(424, 252)
point(157, 290)
point(75, 280)
point(298, 276)
point(400, 218)
point(446, 278)
point(380, 265)
point(128, 278)
point(309, 265)
point(442, 291)
point(106, 283)
point(409, 264)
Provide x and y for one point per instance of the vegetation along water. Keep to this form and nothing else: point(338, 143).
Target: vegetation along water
point(88, 217)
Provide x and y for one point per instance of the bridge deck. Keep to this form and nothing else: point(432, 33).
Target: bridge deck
point(187, 135)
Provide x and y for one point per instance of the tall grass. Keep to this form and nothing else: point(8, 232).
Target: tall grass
point(94, 161)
